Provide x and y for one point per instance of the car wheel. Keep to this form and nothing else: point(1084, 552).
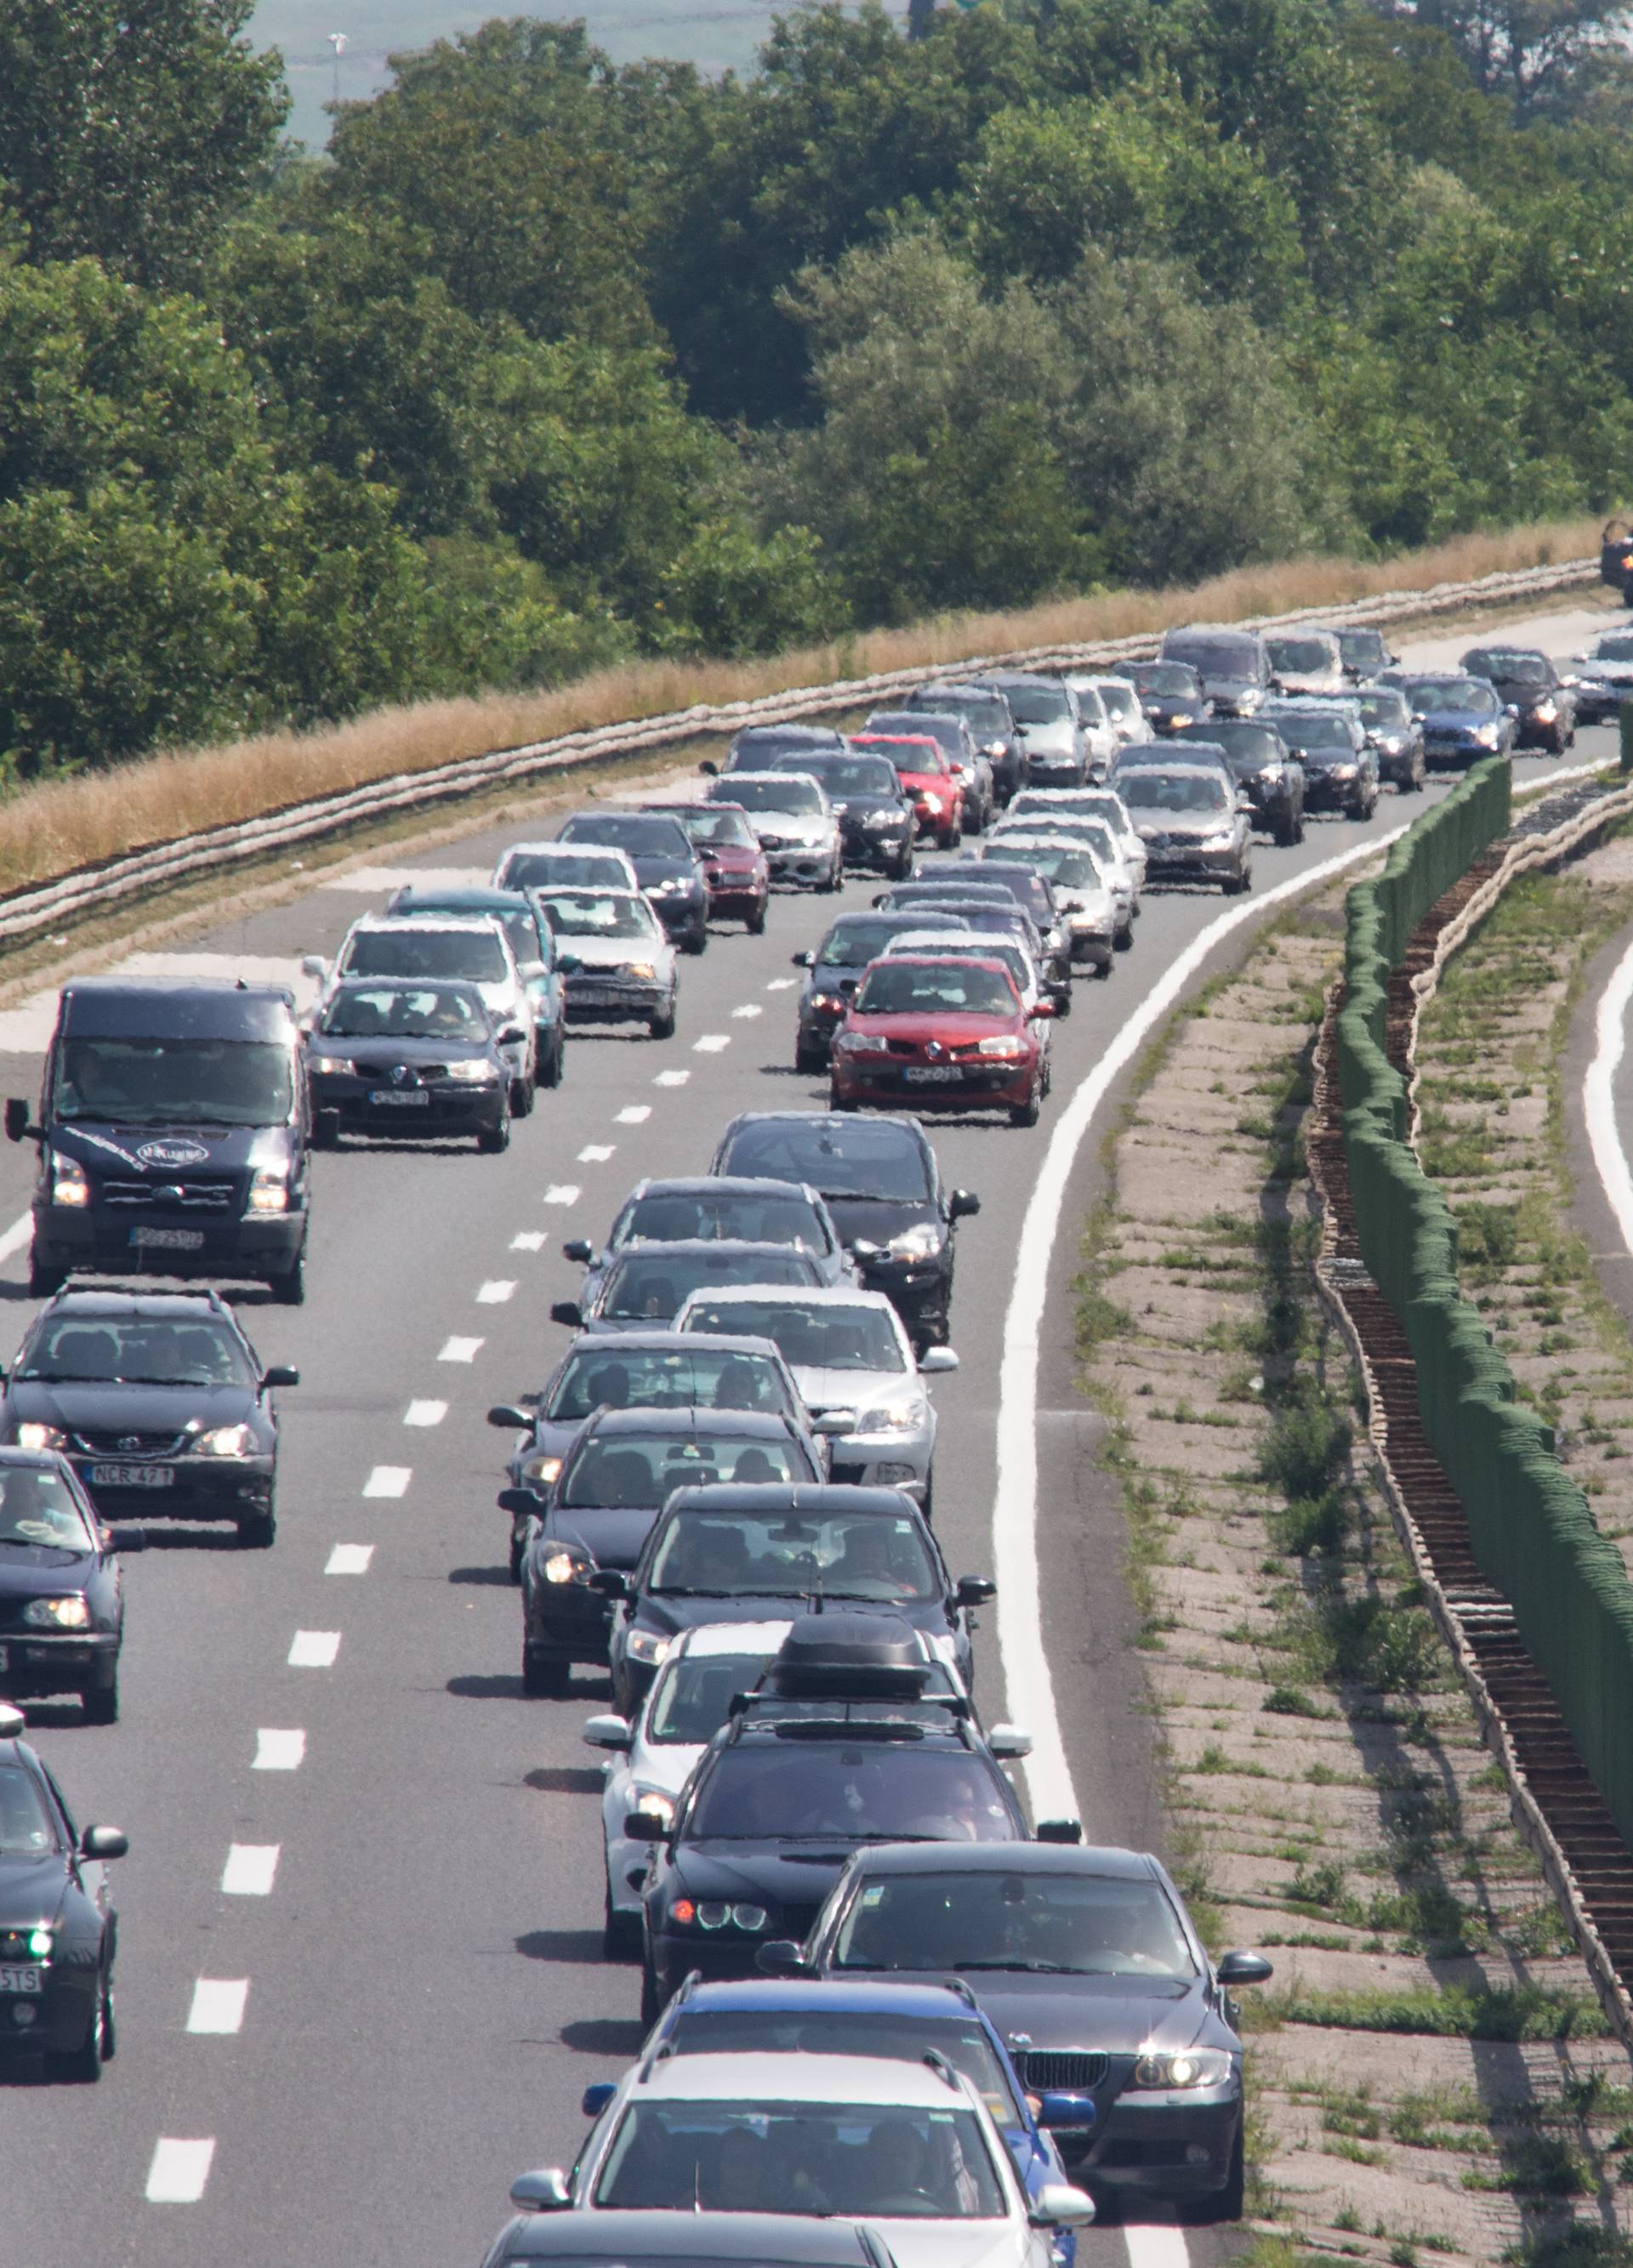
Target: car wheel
point(515, 1559)
point(257, 1531)
point(903, 867)
point(100, 1703)
point(545, 1676)
point(1285, 832)
point(1102, 969)
point(838, 1101)
point(554, 1060)
point(1026, 1114)
point(698, 941)
point(651, 1994)
point(1062, 1004)
point(1226, 2203)
point(521, 1098)
point(662, 1026)
point(928, 1505)
point(44, 1280)
point(82, 2066)
point(290, 1289)
point(495, 1139)
point(808, 1060)
point(756, 923)
point(620, 1932)
point(1124, 937)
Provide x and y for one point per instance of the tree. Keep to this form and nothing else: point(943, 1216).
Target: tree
point(129, 133)
point(1546, 58)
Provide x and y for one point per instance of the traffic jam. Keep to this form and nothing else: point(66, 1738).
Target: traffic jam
point(889, 2016)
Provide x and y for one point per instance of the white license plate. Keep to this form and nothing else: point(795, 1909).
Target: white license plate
point(133, 1475)
point(169, 1239)
point(19, 1980)
point(400, 1098)
point(936, 1074)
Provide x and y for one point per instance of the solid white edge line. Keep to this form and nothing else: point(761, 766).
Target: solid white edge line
point(1599, 1098)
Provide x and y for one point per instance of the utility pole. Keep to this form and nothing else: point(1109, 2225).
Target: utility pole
point(340, 43)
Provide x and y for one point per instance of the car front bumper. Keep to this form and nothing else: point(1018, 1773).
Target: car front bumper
point(603, 997)
point(48, 1662)
point(1189, 862)
point(59, 2010)
point(102, 1240)
point(1167, 2146)
point(446, 1105)
point(804, 864)
point(880, 847)
point(201, 1488)
point(985, 1086)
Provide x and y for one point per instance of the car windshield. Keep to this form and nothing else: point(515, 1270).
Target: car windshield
point(598, 913)
point(721, 825)
point(1090, 708)
point(985, 948)
point(1215, 656)
point(1384, 708)
point(844, 776)
point(693, 1696)
point(404, 1012)
point(897, 2037)
point(1166, 677)
point(874, 1556)
point(1463, 693)
point(813, 1338)
point(790, 793)
point(988, 717)
point(918, 757)
point(417, 950)
point(1187, 791)
point(935, 988)
point(871, 2161)
point(175, 1082)
point(843, 1158)
point(1613, 649)
point(1070, 867)
point(36, 1508)
point(25, 1829)
point(664, 1217)
point(518, 925)
point(649, 1285)
point(767, 743)
point(1038, 704)
point(639, 1471)
point(1248, 745)
point(1074, 1923)
point(1516, 668)
point(1362, 649)
point(562, 870)
point(137, 1350)
point(638, 834)
point(1122, 701)
point(856, 941)
point(603, 1370)
point(886, 1790)
point(1303, 657)
point(1316, 729)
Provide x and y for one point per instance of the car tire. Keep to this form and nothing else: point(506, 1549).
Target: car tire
point(1062, 1005)
point(1227, 2203)
point(1103, 970)
point(44, 1281)
point(515, 1558)
point(1027, 1113)
point(495, 1140)
point(1123, 942)
point(662, 1026)
point(257, 1530)
point(927, 1507)
point(521, 1098)
point(651, 1994)
point(756, 923)
point(698, 941)
point(554, 1061)
point(838, 1101)
point(100, 1703)
point(545, 1676)
point(1286, 832)
point(810, 1063)
point(82, 2066)
point(288, 1289)
point(620, 1932)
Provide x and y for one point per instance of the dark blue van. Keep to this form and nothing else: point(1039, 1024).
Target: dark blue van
point(175, 1132)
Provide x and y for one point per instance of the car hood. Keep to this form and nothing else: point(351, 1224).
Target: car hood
point(1314, 681)
point(381, 1048)
point(875, 1220)
point(102, 1408)
point(611, 952)
point(1216, 688)
point(611, 1534)
point(790, 825)
point(1057, 739)
point(38, 1570)
point(952, 1030)
point(1462, 720)
point(159, 1153)
point(773, 1871)
point(952, 2244)
point(1188, 823)
point(666, 1764)
point(732, 858)
point(1326, 760)
point(1614, 673)
point(667, 1613)
point(648, 870)
point(31, 1889)
point(846, 1389)
point(859, 807)
point(1121, 2014)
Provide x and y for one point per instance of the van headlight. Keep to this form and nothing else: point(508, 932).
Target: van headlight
point(69, 1184)
point(31, 1434)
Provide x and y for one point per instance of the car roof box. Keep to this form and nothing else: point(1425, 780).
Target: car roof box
point(857, 1657)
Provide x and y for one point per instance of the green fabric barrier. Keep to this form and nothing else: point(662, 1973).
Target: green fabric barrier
point(1533, 1531)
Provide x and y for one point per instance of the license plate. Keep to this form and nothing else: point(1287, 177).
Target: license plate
point(169, 1239)
point(399, 1098)
point(928, 1074)
point(133, 1475)
point(19, 1980)
point(597, 996)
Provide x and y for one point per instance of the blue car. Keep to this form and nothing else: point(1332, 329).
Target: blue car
point(901, 2022)
point(1463, 717)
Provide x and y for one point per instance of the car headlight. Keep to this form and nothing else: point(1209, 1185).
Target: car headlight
point(269, 1190)
point(223, 1441)
point(648, 1645)
point(857, 1043)
point(643, 971)
point(69, 1185)
point(883, 819)
point(339, 1066)
point(893, 1417)
point(652, 1803)
point(1545, 712)
point(667, 886)
point(717, 1913)
point(31, 1434)
point(1488, 735)
point(1191, 2067)
point(57, 1614)
point(1002, 1046)
point(1222, 838)
point(541, 1470)
point(831, 1002)
point(922, 1241)
point(40, 1942)
point(564, 1563)
point(473, 1071)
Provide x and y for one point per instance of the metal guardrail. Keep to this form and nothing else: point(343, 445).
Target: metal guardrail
point(109, 881)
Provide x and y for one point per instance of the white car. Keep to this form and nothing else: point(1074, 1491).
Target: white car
point(1093, 835)
point(1102, 803)
point(1100, 733)
point(1099, 915)
point(848, 1351)
point(458, 949)
point(910, 2148)
point(653, 1757)
point(564, 866)
point(619, 958)
point(795, 824)
point(1119, 697)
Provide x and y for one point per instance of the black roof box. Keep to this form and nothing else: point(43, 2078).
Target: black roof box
point(853, 1657)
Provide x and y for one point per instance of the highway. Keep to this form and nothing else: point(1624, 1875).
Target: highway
point(336, 1795)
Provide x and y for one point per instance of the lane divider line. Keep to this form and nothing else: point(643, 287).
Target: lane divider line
point(567, 1193)
point(250, 1870)
point(711, 1043)
point(671, 1079)
point(314, 1649)
point(13, 1239)
point(633, 1114)
point(350, 1559)
point(527, 1239)
point(425, 1413)
point(750, 1008)
point(219, 2005)
point(1599, 1096)
point(179, 2170)
point(596, 1153)
point(460, 1350)
point(495, 1291)
point(388, 1481)
point(278, 1750)
point(782, 985)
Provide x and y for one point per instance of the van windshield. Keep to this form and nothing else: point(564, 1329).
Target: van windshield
point(175, 1082)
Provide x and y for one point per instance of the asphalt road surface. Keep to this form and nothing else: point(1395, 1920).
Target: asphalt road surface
point(342, 1812)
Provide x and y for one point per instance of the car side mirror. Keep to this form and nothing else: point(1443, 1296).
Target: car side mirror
point(1244, 1968)
point(1058, 2206)
point(612, 1582)
point(506, 1414)
point(864, 1249)
point(936, 1361)
point(314, 964)
point(579, 1249)
point(802, 960)
point(104, 1843)
point(1058, 1830)
point(974, 1590)
point(597, 2095)
point(280, 1373)
point(1008, 1742)
point(645, 1826)
point(833, 1423)
point(1055, 2108)
point(546, 2190)
point(511, 1036)
point(17, 1128)
point(568, 1312)
point(606, 1733)
point(961, 1204)
point(780, 1956)
point(709, 768)
point(521, 1503)
point(1043, 1012)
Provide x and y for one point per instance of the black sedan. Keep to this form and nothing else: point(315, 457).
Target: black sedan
point(667, 864)
point(743, 1553)
point(882, 1185)
point(158, 1402)
point(706, 1207)
point(1543, 704)
point(1263, 767)
point(1330, 741)
point(1089, 1965)
point(1170, 694)
point(833, 972)
point(62, 1602)
point(877, 820)
point(623, 1468)
point(409, 1060)
point(57, 1925)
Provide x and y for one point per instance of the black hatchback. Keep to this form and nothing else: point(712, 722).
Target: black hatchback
point(57, 1923)
point(61, 1603)
point(410, 1060)
point(157, 1401)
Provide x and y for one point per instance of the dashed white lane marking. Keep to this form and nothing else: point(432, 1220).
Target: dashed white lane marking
point(179, 2171)
point(633, 1114)
point(782, 985)
point(13, 1239)
point(278, 1751)
point(748, 1008)
point(425, 1413)
point(388, 1480)
point(495, 1291)
point(250, 1870)
point(460, 1350)
point(527, 1239)
point(218, 2004)
point(710, 1043)
point(1599, 1096)
point(349, 1559)
point(664, 1079)
point(1153, 2244)
point(596, 1153)
point(563, 1193)
point(314, 1649)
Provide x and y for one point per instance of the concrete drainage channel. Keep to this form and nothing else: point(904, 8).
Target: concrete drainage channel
point(1554, 1805)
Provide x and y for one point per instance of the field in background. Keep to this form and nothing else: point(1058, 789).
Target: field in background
point(51, 830)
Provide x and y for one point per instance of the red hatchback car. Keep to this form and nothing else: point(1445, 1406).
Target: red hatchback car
point(939, 1034)
point(733, 864)
point(936, 790)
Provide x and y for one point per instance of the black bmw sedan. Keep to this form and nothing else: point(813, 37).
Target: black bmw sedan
point(157, 1401)
point(57, 1924)
point(409, 1060)
point(62, 1602)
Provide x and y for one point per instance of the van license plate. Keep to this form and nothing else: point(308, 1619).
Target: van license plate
point(19, 1980)
point(169, 1239)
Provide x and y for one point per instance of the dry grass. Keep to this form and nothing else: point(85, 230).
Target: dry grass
point(50, 830)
